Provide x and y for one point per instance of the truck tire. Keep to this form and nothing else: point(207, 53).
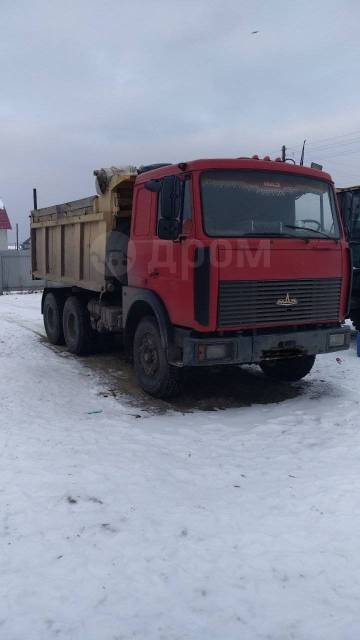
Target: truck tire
point(77, 328)
point(288, 369)
point(53, 318)
point(153, 372)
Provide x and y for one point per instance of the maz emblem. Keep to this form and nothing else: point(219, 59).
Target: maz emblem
point(287, 301)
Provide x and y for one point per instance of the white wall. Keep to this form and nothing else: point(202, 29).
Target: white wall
point(3, 240)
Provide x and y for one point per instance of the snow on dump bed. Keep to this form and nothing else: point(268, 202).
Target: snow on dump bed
point(117, 522)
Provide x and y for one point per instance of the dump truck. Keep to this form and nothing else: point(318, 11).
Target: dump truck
point(209, 262)
point(349, 202)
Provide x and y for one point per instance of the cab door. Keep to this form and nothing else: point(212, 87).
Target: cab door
point(170, 271)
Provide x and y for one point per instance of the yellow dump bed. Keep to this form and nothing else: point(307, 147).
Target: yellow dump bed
point(69, 241)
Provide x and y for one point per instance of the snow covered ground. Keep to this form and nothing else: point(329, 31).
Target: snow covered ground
point(122, 519)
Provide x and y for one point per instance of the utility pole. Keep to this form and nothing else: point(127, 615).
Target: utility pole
point(17, 237)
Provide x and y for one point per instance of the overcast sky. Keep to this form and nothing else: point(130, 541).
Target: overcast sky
point(87, 84)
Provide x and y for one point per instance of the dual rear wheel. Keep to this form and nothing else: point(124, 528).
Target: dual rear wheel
point(68, 322)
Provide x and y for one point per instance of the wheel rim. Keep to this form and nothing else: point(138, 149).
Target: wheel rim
point(148, 355)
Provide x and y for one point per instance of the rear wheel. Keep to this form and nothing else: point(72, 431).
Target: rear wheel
point(53, 318)
point(288, 369)
point(78, 333)
point(154, 374)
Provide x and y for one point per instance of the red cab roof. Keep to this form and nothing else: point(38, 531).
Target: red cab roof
point(234, 163)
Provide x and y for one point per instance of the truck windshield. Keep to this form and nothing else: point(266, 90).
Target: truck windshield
point(262, 203)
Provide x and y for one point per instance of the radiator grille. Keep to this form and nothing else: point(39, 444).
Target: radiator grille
point(259, 302)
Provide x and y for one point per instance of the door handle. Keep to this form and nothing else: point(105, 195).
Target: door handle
point(154, 274)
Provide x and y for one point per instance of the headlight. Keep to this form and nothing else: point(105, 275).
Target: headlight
point(222, 351)
point(337, 340)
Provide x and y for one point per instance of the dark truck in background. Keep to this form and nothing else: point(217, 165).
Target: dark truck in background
point(208, 262)
point(349, 203)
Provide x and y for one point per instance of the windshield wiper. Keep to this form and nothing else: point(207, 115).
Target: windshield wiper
point(266, 234)
point(322, 233)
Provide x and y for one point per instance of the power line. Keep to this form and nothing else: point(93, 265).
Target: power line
point(344, 143)
point(329, 142)
point(332, 138)
point(319, 149)
point(341, 154)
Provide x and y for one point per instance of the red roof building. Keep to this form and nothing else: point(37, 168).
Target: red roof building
point(4, 218)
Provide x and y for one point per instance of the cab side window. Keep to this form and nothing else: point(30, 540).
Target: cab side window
point(183, 194)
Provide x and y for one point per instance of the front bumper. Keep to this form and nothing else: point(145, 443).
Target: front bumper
point(248, 349)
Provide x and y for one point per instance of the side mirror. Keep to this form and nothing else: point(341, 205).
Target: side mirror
point(153, 185)
point(170, 197)
point(168, 229)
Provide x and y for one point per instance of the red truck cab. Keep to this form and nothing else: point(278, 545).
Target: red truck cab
point(237, 261)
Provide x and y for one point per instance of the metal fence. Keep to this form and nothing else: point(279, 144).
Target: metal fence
point(15, 272)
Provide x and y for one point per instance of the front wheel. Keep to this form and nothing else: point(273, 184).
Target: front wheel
point(288, 369)
point(154, 374)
